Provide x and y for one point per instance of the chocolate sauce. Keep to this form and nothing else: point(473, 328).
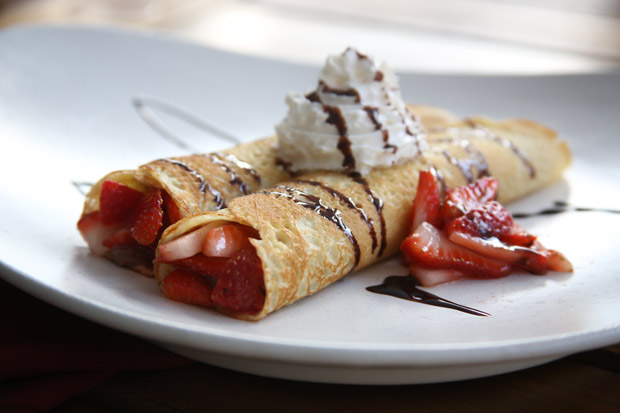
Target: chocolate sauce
point(334, 117)
point(144, 107)
point(82, 187)
point(506, 144)
point(378, 76)
point(372, 114)
point(349, 203)
point(287, 166)
point(314, 203)
point(204, 186)
point(314, 97)
point(406, 288)
point(235, 179)
point(475, 160)
point(350, 92)
point(561, 207)
point(378, 204)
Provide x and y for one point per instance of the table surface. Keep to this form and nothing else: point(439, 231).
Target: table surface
point(456, 36)
point(583, 382)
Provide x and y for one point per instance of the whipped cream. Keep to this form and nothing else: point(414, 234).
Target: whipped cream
point(355, 120)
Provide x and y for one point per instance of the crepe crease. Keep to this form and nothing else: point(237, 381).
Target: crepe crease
point(317, 227)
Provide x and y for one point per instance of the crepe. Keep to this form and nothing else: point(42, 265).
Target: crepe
point(196, 183)
point(321, 226)
point(208, 182)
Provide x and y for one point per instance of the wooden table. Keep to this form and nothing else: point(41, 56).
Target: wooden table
point(585, 382)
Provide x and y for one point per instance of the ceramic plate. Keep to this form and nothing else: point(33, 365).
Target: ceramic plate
point(76, 103)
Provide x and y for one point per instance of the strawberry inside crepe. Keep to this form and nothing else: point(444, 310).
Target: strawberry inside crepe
point(129, 223)
point(467, 234)
point(215, 266)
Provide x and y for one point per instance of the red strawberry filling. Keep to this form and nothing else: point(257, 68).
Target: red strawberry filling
point(128, 224)
point(215, 267)
point(468, 234)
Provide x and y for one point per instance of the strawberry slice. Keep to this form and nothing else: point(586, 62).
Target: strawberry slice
point(200, 264)
point(242, 287)
point(187, 287)
point(430, 248)
point(490, 219)
point(172, 209)
point(529, 259)
point(94, 232)
point(458, 201)
point(148, 217)
point(427, 203)
point(226, 240)
point(116, 202)
point(429, 277)
point(121, 237)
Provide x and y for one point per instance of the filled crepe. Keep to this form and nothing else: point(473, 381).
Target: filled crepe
point(356, 150)
point(306, 233)
point(126, 211)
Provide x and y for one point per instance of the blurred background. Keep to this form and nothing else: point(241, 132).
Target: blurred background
point(448, 36)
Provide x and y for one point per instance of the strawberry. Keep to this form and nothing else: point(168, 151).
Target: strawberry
point(529, 259)
point(187, 287)
point(242, 287)
point(116, 202)
point(120, 237)
point(94, 232)
point(429, 277)
point(172, 209)
point(224, 241)
point(200, 264)
point(490, 219)
point(147, 217)
point(430, 248)
point(427, 203)
point(458, 201)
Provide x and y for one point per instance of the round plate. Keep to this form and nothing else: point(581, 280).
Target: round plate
point(76, 103)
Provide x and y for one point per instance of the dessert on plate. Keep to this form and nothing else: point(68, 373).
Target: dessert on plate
point(356, 152)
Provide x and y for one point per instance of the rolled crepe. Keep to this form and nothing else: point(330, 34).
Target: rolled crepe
point(321, 226)
point(208, 182)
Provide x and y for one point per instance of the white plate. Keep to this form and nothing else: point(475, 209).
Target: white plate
point(66, 115)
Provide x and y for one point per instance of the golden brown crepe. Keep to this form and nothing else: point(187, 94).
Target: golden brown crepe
point(208, 182)
point(320, 226)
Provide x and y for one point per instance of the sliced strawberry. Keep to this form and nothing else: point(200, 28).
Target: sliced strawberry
point(242, 287)
point(120, 237)
point(226, 240)
point(459, 201)
point(148, 217)
point(172, 209)
point(117, 201)
point(490, 219)
point(185, 246)
point(518, 236)
point(429, 277)
point(558, 262)
point(427, 203)
point(188, 288)
point(527, 258)
point(95, 232)
point(429, 247)
point(200, 264)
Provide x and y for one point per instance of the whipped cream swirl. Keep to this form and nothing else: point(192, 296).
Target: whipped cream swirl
point(354, 121)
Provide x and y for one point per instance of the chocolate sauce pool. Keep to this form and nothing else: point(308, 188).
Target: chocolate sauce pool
point(406, 288)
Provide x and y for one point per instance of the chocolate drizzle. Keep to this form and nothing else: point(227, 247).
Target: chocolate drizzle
point(406, 288)
point(315, 204)
point(506, 143)
point(560, 207)
point(235, 179)
point(335, 117)
point(350, 92)
point(373, 113)
point(475, 160)
point(349, 203)
point(204, 186)
point(378, 204)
